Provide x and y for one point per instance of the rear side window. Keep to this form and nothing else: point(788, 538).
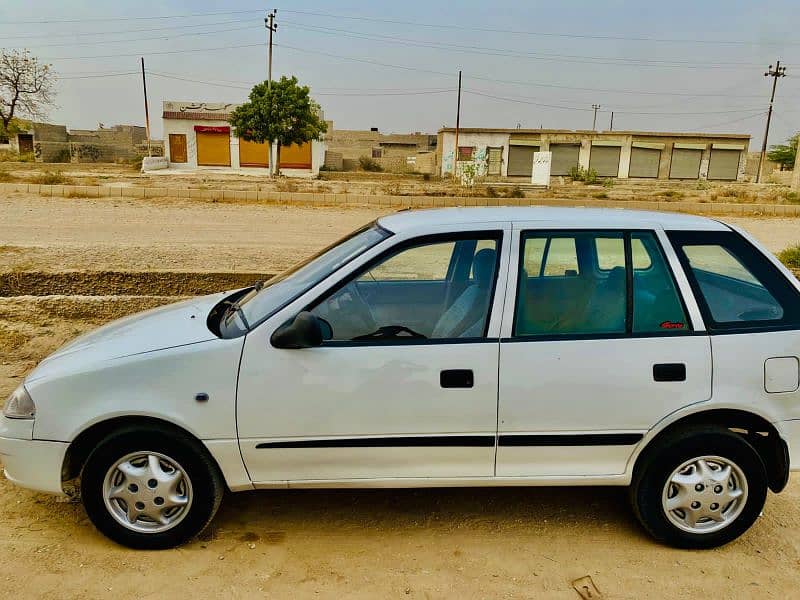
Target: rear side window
point(736, 286)
point(605, 283)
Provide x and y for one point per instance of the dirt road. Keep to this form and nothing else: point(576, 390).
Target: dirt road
point(452, 543)
point(63, 234)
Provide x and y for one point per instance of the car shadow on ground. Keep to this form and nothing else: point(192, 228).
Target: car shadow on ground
point(603, 509)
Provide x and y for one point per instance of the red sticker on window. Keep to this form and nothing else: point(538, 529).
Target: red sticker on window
point(671, 325)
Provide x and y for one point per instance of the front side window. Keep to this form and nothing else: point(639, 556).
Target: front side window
point(262, 301)
point(595, 283)
point(736, 286)
point(439, 289)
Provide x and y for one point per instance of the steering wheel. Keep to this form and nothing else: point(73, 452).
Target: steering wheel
point(348, 310)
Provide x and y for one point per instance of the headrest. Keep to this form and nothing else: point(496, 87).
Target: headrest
point(483, 266)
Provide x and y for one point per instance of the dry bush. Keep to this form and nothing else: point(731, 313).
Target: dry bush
point(51, 178)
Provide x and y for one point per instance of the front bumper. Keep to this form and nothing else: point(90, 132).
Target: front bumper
point(33, 464)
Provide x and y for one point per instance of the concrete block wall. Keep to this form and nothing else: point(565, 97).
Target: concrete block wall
point(305, 198)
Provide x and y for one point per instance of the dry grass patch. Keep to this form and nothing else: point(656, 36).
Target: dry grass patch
point(51, 178)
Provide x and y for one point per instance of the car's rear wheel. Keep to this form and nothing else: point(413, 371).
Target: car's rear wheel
point(149, 488)
point(699, 488)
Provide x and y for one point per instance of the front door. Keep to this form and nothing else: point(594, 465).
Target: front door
point(405, 386)
point(177, 148)
point(599, 350)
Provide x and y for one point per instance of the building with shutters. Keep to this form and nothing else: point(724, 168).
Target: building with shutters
point(197, 135)
point(620, 154)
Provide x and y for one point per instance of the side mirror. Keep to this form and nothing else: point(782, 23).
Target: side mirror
point(304, 331)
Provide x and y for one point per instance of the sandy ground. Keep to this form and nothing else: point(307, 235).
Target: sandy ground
point(452, 543)
point(58, 234)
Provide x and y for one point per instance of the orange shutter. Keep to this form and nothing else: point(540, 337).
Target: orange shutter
point(296, 156)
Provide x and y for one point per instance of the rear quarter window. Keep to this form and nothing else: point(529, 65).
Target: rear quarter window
point(736, 286)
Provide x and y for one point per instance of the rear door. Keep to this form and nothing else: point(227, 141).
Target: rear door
point(599, 349)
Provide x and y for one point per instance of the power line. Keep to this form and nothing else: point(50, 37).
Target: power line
point(118, 31)
point(97, 75)
point(739, 120)
point(368, 92)
point(145, 39)
point(157, 52)
point(538, 33)
point(488, 51)
point(513, 82)
point(148, 18)
point(583, 109)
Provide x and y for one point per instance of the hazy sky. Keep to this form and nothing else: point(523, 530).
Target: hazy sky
point(394, 65)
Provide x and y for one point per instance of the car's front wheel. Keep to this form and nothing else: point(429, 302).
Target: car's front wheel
point(700, 488)
point(149, 488)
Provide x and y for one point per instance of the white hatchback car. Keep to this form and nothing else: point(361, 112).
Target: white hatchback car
point(455, 347)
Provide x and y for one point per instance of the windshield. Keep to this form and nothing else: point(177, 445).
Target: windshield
point(261, 302)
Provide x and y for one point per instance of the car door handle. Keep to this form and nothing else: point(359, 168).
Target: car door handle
point(457, 378)
point(669, 372)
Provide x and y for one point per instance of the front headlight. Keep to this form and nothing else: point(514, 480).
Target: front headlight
point(20, 405)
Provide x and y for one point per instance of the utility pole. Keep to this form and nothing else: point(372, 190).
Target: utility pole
point(146, 112)
point(778, 71)
point(458, 124)
point(272, 26)
point(594, 119)
point(611, 126)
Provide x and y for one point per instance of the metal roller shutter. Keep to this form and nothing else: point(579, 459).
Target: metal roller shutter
point(213, 149)
point(520, 160)
point(644, 162)
point(296, 156)
point(724, 164)
point(605, 160)
point(685, 163)
point(565, 157)
point(253, 154)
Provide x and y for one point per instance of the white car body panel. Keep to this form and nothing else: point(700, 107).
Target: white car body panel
point(371, 391)
point(154, 364)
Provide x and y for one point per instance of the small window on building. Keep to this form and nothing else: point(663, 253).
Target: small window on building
point(377, 152)
point(465, 153)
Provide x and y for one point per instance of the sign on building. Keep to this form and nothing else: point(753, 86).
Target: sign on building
point(541, 168)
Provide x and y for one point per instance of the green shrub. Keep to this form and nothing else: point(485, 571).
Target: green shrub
point(136, 163)
point(8, 156)
point(368, 164)
point(600, 195)
point(609, 182)
point(491, 192)
point(793, 197)
point(790, 257)
point(51, 178)
point(671, 194)
point(62, 156)
point(588, 176)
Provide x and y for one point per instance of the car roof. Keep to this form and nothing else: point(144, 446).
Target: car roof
point(559, 217)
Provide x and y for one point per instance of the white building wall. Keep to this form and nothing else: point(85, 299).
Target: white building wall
point(480, 141)
point(186, 127)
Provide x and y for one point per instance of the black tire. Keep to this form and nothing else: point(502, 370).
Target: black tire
point(659, 462)
point(206, 484)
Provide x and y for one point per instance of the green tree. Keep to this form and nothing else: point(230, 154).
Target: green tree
point(14, 127)
point(785, 154)
point(284, 113)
